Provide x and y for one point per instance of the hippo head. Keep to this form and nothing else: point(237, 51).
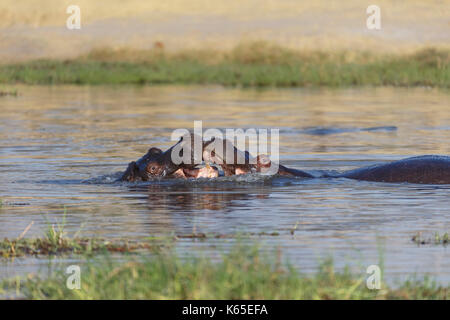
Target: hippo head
point(152, 164)
point(263, 161)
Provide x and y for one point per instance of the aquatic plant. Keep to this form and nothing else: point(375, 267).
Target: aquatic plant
point(436, 239)
point(4, 93)
point(56, 242)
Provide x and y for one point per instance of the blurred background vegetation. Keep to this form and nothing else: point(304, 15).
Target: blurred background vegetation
point(31, 30)
point(247, 42)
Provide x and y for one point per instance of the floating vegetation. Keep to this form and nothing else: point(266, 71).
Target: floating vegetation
point(12, 93)
point(201, 235)
point(54, 243)
point(437, 239)
point(44, 246)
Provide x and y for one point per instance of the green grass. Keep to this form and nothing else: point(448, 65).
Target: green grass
point(250, 65)
point(86, 246)
point(436, 239)
point(243, 273)
point(12, 93)
point(56, 242)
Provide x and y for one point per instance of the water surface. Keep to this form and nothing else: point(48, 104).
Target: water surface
point(62, 147)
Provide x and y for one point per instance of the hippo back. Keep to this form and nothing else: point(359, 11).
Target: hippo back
point(424, 169)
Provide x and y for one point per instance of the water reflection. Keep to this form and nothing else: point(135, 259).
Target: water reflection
point(188, 198)
point(64, 146)
point(175, 209)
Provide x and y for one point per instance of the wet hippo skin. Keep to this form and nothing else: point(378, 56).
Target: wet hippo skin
point(247, 163)
point(429, 169)
point(284, 171)
point(423, 169)
point(156, 163)
point(263, 163)
point(216, 151)
point(137, 170)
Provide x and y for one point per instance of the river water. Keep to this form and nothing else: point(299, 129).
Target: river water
point(62, 147)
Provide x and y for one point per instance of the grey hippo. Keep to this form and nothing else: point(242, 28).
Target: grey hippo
point(428, 169)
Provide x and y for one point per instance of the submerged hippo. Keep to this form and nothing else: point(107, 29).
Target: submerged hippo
point(232, 160)
point(261, 165)
point(427, 169)
point(156, 163)
point(204, 172)
point(423, 169)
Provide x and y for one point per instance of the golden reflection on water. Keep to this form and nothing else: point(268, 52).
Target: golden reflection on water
point(113, 122)
point(54, 138)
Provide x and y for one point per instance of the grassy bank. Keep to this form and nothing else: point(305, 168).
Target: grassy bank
point(84, 246)
point(56, 242)
point(243, 273)
point(255, 64)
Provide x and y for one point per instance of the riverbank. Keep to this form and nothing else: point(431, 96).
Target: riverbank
point(256, 64)
point(243, 273)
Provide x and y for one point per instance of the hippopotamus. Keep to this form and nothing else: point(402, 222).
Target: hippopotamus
point(156, 163)
point(428, 169)
point(232, 160)
point(204, 172)
point(261, 165)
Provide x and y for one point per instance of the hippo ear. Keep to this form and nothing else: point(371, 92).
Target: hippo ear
point(210, 140)
point(154, 151)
